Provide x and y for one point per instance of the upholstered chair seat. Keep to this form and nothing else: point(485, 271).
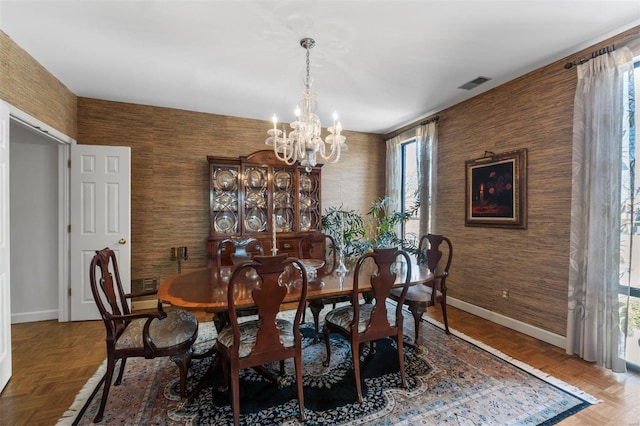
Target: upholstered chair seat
point(175, 329)
point(343, 317)
point(249, 332)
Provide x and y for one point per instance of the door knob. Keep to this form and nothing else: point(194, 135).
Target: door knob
point(122, 241)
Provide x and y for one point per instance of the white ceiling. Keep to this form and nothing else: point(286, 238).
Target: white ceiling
point(379, 64)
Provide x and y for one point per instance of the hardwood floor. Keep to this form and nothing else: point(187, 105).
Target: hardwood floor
point(52, 361)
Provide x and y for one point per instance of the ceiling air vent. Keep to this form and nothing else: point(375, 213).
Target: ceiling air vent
point(474, 83)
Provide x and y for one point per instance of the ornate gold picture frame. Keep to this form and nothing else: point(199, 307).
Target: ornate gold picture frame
point(496, 190)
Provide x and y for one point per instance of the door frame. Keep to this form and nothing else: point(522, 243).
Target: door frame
point(64, 145)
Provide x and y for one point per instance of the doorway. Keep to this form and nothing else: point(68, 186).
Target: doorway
point(34, 224)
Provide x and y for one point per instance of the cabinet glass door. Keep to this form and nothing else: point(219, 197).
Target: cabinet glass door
point(256, 209)
point(284, 199)
point(224, 202)
point(309, 201)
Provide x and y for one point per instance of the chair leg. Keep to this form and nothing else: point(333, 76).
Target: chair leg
point(355, 354)
point(123, 362)
point(401, 359)
point(327, 361)
point(298, 362)
point(183, 361)
point(443, 304)
point(417, 312)
point(108, 376)
point(235, 394)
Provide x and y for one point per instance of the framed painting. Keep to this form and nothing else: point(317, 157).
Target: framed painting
point(496, 190)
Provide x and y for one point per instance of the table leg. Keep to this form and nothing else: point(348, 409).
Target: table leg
point(316, 306)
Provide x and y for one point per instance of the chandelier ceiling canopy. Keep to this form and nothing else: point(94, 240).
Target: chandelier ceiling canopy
point(304, 141)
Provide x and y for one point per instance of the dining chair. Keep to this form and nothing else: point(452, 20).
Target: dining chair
point(316, 245)
point(147, 335)
point(234, 251)
point(267, 338)
point(370, 321)
point(421, 296)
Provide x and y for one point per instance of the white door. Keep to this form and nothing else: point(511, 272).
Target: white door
point(5, 280)
point(100, 217)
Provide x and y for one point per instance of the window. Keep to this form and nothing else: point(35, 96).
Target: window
point(409, 192)
point(630, 236)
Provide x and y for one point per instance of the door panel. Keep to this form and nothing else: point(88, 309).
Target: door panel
point(100, 217)
point(5, 280)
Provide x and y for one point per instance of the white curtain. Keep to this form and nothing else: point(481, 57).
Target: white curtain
point(427, 155)
point(600, 124)
point(394, 174)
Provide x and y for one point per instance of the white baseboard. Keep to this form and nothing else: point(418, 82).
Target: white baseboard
point(522, 327)
point(34, 316)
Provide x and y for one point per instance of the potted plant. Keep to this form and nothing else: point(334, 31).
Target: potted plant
point(355, 234)
point(348, 231)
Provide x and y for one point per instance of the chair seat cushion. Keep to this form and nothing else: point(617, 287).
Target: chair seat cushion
point(416, 293)
point(343, 316)
point(249, 332)
point(178, 327)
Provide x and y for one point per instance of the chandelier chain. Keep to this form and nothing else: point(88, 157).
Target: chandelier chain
point(308, 79)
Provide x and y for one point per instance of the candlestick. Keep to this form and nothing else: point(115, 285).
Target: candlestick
point(341, 269)
point(341, 230)
point(274, 249)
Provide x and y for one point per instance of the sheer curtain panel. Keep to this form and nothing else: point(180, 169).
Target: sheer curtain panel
point(600, 124)
point(427, 155)
point(394, 175)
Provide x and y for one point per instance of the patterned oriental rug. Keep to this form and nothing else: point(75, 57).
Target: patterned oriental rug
point(455, 380)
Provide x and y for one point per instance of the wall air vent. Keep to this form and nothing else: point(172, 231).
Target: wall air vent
point(474, 83)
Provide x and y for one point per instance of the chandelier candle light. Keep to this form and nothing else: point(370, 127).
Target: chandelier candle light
point(341, 269)
point(304, 141)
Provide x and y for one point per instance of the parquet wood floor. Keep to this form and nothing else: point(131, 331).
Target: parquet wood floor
point(52, 361)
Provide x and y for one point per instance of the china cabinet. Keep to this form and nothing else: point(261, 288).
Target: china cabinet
point(260, 197)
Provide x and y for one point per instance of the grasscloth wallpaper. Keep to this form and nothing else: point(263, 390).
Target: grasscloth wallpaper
point(535, 112)
point(28, 86)
point(170, 181)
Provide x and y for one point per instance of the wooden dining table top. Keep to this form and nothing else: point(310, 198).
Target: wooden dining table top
point(206, 288)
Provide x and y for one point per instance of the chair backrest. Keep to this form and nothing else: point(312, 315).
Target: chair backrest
point(233, 251)
point(108, 293)
point(272, 275)
point(390, 263)
point(438, 262)
point(432, 249)
point(316, 245)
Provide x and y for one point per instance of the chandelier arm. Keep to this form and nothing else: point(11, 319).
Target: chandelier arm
point(334, 151)
point(288, 160)
point(281, 144)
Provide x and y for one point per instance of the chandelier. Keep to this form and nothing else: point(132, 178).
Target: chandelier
point(304, 142)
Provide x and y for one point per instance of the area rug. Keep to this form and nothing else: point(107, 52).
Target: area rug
point(453, 380)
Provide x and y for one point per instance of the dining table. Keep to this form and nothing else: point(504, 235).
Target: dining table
point(207, 289)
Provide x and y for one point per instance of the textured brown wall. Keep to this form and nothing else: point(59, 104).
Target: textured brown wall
point(25, 84)
point(533, 112)
point(169, 182)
